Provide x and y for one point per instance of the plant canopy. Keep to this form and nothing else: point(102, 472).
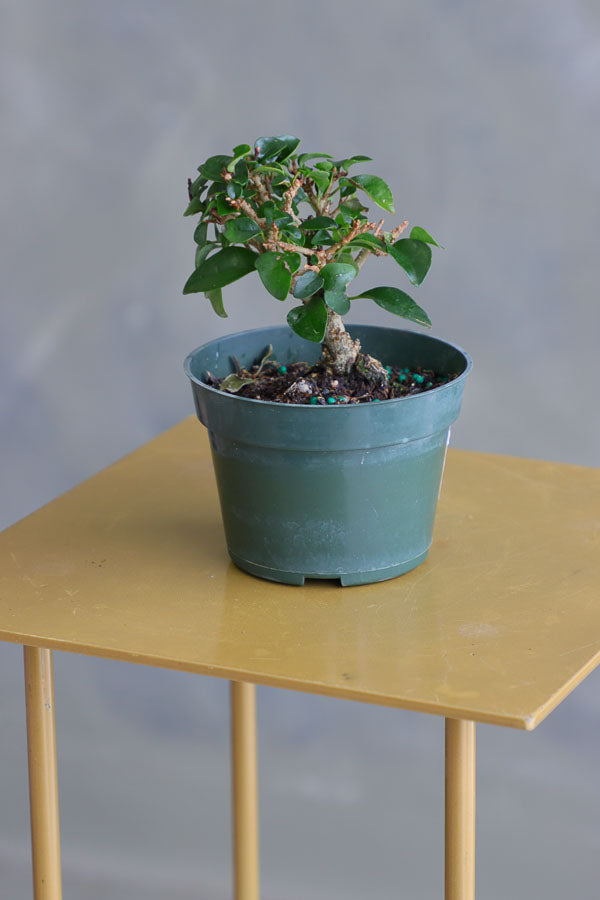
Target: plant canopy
point(299, 221)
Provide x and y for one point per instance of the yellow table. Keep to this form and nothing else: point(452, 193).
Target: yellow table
point(498, 625)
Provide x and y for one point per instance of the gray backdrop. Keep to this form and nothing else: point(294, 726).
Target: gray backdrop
point(484, 119)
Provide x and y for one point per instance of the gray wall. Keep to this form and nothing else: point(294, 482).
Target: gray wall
point(484, 119)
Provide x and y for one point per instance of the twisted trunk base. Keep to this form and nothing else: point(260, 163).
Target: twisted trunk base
point(341, 352)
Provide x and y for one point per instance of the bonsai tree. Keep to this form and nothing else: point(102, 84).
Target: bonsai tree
point(300, 222)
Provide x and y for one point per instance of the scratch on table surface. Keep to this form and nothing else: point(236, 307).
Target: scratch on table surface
point(15, 560)
point(32, 582)
point(581, 647)
point(488, 665)
point(418, 578)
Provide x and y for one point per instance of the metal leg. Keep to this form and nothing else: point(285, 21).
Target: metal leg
point(460, 810)
point(245, 791)
point(43, 781)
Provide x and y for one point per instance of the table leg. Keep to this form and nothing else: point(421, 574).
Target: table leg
point(460, 810)
point(244, 791)
point(43, 781)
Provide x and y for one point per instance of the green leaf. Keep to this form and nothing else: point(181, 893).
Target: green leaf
point(304, 157)
point(337, 301)
point(294, 233)
point(238, 153)
point(419, 234)
point(377, 190)
point(194, 207)
point(396, 301)
point(274, 168)
point(279, 181)
point(345, 256)
point(321, 239)
point(224, 207)
point(336, 276)
point(216, 188)
point(209, 207)
point(271, 149)
point(267, 210)
point(353, 209)
point(234, 190)
point(347, 188)
point(200, 233)
point(290, 144)
point(203, 251)
point(216, 301)
point(307, 285)
point(318, 222)
point(352, 205)
point(232, 383)
point(350, 161)
point(241, 229)
point(197, 186)
point(240, 173)
point(369, 242)
point(293, 260)
point(309, 321)
point(321, 179)
point(223, 268)
point(414, 257)
point(213, 167)
point(274, 274)
point(324, 166)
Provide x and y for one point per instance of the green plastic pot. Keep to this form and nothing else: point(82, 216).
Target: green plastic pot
point(338, 492)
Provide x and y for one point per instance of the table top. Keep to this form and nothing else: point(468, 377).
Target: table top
point(499, 624)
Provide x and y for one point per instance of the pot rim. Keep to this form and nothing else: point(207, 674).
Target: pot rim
point(187, 364)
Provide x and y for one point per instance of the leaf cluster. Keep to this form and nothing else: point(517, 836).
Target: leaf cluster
point(298, 219)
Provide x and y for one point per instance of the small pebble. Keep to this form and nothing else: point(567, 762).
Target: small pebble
point(418, 378)
point(282, 370)
point(343, 399)
point(429, 384)
point(314, 400)
point(331, 399)
point(401, 377)
point(376, 400)
point(388, 369)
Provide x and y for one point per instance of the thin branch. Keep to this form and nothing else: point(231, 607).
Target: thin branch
point(362, 257)
point(397, 231)
point(312, 197)
point(289, 197)
point(327, 205)
point(357, 228)
point(243, 206)
point(276, 244)
point(261, 190)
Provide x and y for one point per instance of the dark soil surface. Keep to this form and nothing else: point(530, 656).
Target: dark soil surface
point(301, 383)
